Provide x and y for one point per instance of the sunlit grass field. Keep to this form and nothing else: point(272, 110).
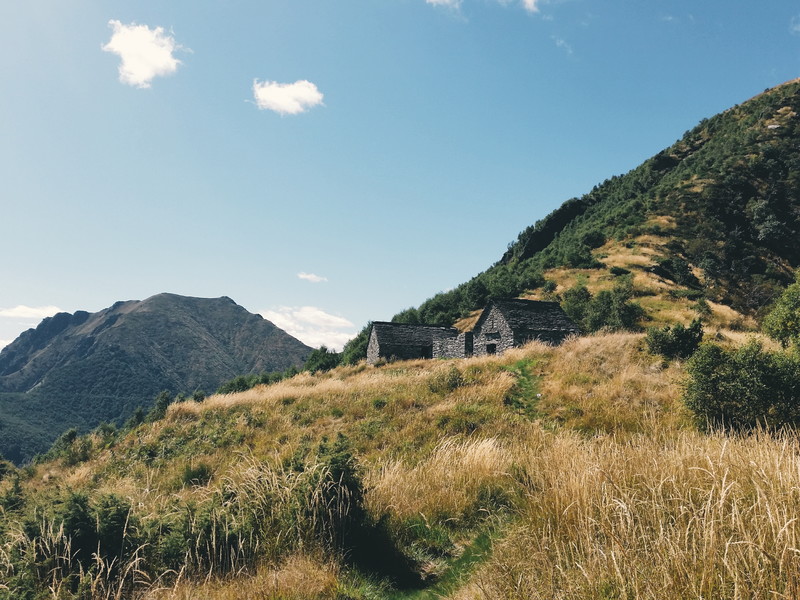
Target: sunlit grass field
point(566, 472)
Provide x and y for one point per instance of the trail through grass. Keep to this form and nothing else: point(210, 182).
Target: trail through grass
point(459, 569)
point(525, 393)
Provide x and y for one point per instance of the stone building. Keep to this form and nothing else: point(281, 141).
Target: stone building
point(504, 324)
point(507, 324)
point(402, 341)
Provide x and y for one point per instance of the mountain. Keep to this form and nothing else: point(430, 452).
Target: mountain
point(716, 215)
point(78, 370)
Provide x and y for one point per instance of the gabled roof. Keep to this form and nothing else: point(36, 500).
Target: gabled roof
point(406, 334)
point(530, 314)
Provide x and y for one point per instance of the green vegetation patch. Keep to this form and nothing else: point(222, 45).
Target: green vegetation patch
point(524, 395)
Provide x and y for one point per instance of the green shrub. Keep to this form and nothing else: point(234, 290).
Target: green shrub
point(744, 387)
point(322, 359)
point(160, 405)
point(445, 381)
point(702, 308)
point(676, 341)
point(609, 309)
point(356, 349)
point(783, 321)
point(196, 475)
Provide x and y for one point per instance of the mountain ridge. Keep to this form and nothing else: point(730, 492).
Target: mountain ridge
point(100, 366)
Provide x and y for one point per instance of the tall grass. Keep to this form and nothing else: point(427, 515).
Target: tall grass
point(605, 489)
point(449, 484)
point(670, 517)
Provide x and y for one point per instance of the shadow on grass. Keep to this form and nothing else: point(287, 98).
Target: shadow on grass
point(375, 553)
point(456, 573)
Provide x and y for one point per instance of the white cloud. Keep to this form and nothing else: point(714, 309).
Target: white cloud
point(794, 25)
point(146, 53)
point(29, 312)
point(454, 4)
point(531, 6)
point(312, 325)
point(286, 98)
point(311, 277)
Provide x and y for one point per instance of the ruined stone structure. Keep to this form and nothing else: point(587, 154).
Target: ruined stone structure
point(504, 324)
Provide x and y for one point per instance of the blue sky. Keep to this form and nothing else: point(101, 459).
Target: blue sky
point(327, 163)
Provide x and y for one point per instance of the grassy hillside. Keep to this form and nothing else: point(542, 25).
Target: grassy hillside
point(569, 472)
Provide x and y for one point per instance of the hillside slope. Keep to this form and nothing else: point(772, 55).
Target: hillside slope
point(546, 472)
point(714, 215)
point(81, 369)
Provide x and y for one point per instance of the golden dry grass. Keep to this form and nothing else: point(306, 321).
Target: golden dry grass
point(300, 577)
point(661, 517)
point(446, 484)
point(610, 383)
point(614, 495)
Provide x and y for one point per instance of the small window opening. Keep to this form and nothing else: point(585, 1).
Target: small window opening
point(491, 348)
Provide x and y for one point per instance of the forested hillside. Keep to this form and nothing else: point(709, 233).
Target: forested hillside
point(83, 369)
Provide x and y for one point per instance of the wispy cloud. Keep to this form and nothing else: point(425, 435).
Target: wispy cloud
point(146, 53)
point(531, 6)
point(453, 4)
point(563, 44)
point(794, 25)
point(29, 312)
point(312, 325)
point(286, 98)
point(313, 278)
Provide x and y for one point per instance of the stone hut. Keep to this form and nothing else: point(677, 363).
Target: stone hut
point(403, 341)
point(506, 324)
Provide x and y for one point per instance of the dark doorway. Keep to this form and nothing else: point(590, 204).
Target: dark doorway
point(491, 348)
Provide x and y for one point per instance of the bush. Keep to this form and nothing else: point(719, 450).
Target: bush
point(196, 475)
point(743, 388)
point(609, 309)
point(356, 349)
point(677, 341)
point(702, 308)
point(160, 405)
point(783, 321)
point(322, 359)
point(445, 381)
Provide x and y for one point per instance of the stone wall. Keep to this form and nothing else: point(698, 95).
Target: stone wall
point(457, 347)
point(492, 331)
point(402, 341)
point(373, 348)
